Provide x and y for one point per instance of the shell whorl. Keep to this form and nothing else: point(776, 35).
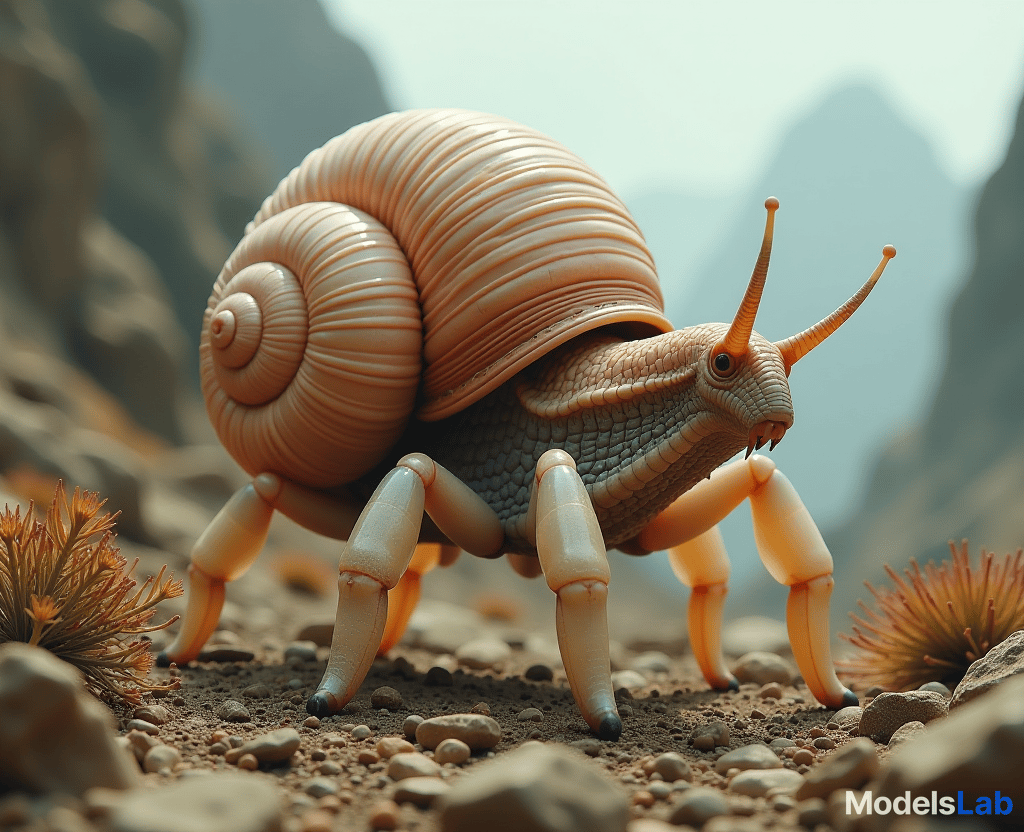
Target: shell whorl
point(310, 354)
point(510, 245)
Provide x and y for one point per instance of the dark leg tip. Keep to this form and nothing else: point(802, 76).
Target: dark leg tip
point(734, 684)
point(610, 728)
point(162, 659)
point(318, 705)
point(850, 698)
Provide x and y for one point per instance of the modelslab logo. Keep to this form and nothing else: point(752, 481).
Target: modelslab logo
point(867, 804)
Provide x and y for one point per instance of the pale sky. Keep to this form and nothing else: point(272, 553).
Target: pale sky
point(676, 94)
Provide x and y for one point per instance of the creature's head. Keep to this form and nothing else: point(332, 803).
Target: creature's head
point(744, 374)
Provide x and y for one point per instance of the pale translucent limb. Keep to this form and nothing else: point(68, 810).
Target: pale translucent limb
point(222, 553)
point(572, 555)
point(404, 597)
point(791, 548)
point(378, 554)
point(703, 565)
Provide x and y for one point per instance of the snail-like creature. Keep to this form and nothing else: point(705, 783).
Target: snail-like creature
point(445, 312)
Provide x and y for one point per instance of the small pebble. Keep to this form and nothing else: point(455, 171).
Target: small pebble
point(934, 687)
point(388, 747)
point(812, 812)
point(274, 747)
point(257, 691)
point(697, 806)
point(248, 762)
point(531, 715)
point(848, 719)
point(628, 679)
point(539, 673)
point(825, 743)
point(451, 751)
point(316, 820)
point(412, 764)
point(481, 708)
point(439, 677)
point(661, 791)
point(301, 651)
point(361, 732)
point(849, 768)
point(710, 736)
point(589, 746)
point(142, 725)
point(320, 787)
point(484, 654)
point(311, 722)
point(905, 732)
point(773, 690)
point(231, 710)
point(420, 791)
point(888, 711)
point(670, 766)
point(410, 725)
point(385, 815)
point(760, 668)
point(652, 661)
point(803, 757)
point(368, 757)
point(153, 714)
point(754, 756)
point(161, 758)
point(757, 713)
point(643, 798)
point(224, 653)
point(476, 730)
point(758, 782)
point(386, 697)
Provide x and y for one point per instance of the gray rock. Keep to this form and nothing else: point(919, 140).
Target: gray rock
point(420, 791)
point(756, 756)
point(848, 719)
point(484, 654)
point(54, 736)
point(231, 710)
point(535, 788)
point(211, 803)
point(476, 730)
point(671, 766)
point(386, 697)
point(754, 633)
point(937, 687)
point(978, 749)
point(888, 711)
point(301, 651)
point(1004, 660)
point(697, 806)
point(760, 668)
point(905, 732)
point(710, 736)
point(849, 768)
point(153, 714)
point(321, 786)
point(274, 747)
point(758, 782)
point(452, 751)
point(412, 764)
point(161, 758)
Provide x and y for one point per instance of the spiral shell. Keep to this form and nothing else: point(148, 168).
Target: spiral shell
point(422, 258)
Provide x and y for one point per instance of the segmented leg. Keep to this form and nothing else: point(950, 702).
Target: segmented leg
point(575, 564)
point(402, 600)
point(222, 553)
point(703, 565)
point(791, 548)
point(380, 551)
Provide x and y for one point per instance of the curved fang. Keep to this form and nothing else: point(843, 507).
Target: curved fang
point(797, 346)
point(736, 339)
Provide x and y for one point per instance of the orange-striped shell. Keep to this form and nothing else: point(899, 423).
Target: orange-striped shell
point(413, 263)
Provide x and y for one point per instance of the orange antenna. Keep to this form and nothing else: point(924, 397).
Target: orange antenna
point(797, 346)
point(736, 339)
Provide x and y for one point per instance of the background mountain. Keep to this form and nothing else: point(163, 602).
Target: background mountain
point(851, 175)
point(958, 471)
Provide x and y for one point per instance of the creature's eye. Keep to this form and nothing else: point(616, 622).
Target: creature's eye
point(723, 364)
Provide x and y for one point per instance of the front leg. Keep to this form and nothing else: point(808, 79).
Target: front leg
point(791, 548)
point(378, 553)
point(575, 564)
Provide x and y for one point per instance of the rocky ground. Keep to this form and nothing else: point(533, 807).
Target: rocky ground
point(233, 748)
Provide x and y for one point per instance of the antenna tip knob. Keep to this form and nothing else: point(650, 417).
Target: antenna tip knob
point(772, 204)
point(888, 252)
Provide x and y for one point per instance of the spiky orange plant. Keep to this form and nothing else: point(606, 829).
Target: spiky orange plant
point(936, 621)
point(63, 587)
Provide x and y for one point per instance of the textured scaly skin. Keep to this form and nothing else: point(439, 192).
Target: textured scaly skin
point(644, 420)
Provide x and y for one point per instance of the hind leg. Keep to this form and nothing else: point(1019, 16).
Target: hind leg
point(405, 595)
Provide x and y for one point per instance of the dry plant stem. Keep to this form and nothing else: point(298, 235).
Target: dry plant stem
point(936, 620)
point(63, 587)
